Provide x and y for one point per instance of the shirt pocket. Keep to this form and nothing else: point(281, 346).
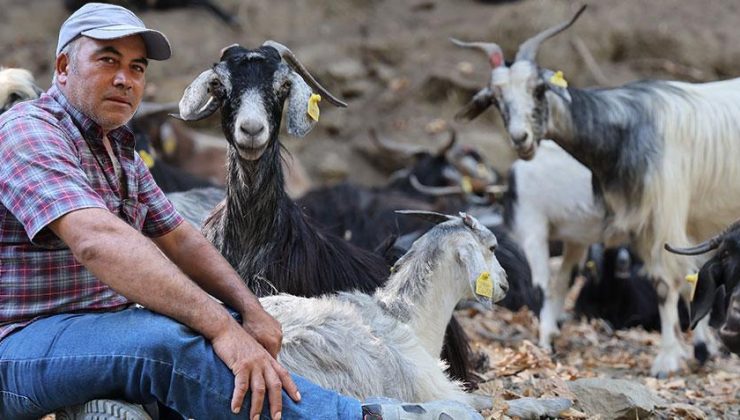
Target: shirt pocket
point(134, 213)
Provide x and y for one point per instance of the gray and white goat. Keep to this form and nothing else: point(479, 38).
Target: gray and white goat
point(388, 343)
point(664, 154)
point(16, 85)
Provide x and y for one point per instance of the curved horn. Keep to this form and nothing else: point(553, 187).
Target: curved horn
point(451, 141)
point(202, 97)
point(430, 216)
point(434, 191)
point(528, 50)
point(491, 50)
point(404, 149)
point(706, 246)
point(296, 65)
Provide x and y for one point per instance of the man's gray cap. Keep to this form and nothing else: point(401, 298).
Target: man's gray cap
point(107, 21)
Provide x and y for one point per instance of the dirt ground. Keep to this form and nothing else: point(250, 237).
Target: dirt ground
point(393, 63)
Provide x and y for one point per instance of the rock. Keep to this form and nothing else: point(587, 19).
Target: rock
point(614, 398)
point(535, 408)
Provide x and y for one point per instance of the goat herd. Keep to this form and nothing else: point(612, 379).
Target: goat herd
point(366, 298)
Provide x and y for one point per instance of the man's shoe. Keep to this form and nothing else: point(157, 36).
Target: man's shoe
point(103, 410)
point(387, 409)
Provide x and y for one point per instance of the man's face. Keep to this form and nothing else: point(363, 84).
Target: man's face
point(104, 78)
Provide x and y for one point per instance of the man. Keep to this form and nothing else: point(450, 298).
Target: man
point(85, 233)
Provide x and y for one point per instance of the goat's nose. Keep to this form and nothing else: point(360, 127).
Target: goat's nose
point(519, 138)
point(251, 128)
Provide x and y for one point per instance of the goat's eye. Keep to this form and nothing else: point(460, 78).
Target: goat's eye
point(492, 248)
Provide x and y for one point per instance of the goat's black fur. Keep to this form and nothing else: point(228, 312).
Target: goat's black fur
point(616, 292)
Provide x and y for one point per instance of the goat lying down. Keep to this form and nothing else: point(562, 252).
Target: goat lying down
point(664, 154)
point(389, 343)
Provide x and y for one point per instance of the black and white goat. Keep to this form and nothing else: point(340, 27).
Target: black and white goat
point(16, 85)
point(664, 154)
point(258, 228)
point(388, 343)
point(717, 283)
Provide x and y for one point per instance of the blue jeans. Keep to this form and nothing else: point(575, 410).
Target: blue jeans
point(138, 356)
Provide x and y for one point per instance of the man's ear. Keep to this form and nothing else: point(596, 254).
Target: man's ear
point(61, 68)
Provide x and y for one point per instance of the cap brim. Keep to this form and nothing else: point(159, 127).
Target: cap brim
point(157, 45)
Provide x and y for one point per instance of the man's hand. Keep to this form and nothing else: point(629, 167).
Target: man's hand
point(265, 329)
point(254, 369)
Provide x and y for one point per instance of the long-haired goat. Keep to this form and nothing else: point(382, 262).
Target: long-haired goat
point(717, 283)
point(664, 154)
point(16, 85)
point(388, 343)
point(258, 228)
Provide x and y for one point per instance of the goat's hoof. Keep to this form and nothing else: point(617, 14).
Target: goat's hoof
point(701, 352)
point(668, 362)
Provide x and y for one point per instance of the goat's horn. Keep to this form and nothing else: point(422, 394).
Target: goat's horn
point(528, 50)
point(430, 216)
point(202, 97)
point(404, 149)
point(296, 65)
point(451, 141)
point(434, 191)
point(706, 246)
point(491, 50)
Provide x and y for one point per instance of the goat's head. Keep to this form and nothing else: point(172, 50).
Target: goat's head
point(519, 90)
point(472, 246)
point(252, 86)
point(609, 264)
point(16, 85)
point(719, 276)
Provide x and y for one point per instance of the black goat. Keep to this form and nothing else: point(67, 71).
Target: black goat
point(717, 284)
point(617, 292)
point(258, 228)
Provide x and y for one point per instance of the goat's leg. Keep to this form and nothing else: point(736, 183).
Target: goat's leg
point(705, 342)
point(672, 348)
point(552, 309)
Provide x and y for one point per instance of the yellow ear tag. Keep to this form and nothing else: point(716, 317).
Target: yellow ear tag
point(147, 158)
point(313, 106)
point(484, 285)
point(558, 80)
point(692, 279)
point(466, 185)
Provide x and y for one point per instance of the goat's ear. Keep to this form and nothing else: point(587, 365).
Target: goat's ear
point(202, 97)
point(479, 279)
point(300, 122)
point(556, 83)
point(706, 291)
point(481, 101)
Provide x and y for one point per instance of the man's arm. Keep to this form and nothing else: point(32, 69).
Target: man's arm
point(128, 262)
point(202, 262)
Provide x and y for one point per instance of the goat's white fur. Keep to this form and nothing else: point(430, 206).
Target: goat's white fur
point(18, 81)
point(554, 201)
point(389, 343)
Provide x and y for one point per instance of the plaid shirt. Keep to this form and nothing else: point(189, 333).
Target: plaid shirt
point(54, 162)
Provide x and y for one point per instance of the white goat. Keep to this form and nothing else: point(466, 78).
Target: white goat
point(16, 85)
point(551, 198)
point(664, 153)
point(389, 343)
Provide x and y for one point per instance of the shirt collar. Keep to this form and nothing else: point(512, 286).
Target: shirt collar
point(89, 128)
